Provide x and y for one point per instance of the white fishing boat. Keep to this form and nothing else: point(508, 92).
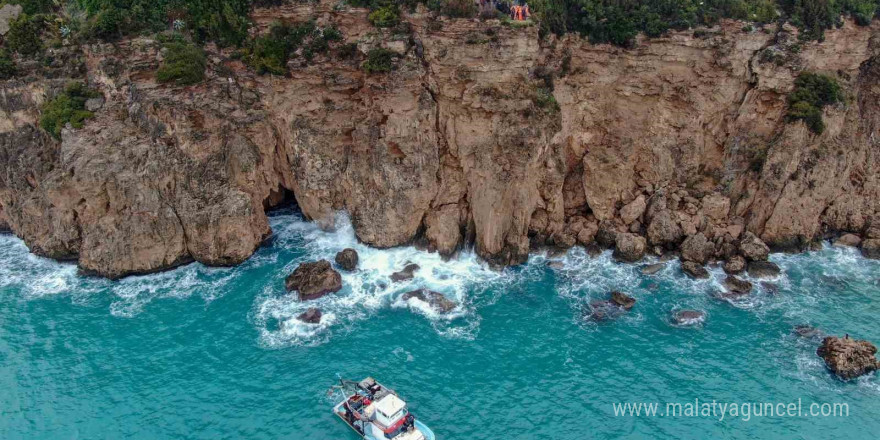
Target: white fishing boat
point(376, 412)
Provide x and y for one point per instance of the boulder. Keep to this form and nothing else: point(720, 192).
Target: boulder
point(871, 248)
point(651, 269)
point(314, 280)
point(603, 310)
point(770, 288)
point(737, 285)
point(406, 274)
point(663, 229)
point(806, 331)
point(848, 240)
point(736, 264)
point(593, 250)
point(753, 248)
point(848, 358)
point(630, 247)
point(587, 235)
point(694, 270)
point(606, 236)
point(688, 317)
point(310, 316)
point(623, 300)
point(716, 206)
point(763, 269)
point(436, 300)
point(8, 14)
point(634, 210)
point(697, 248)
point(347, 259)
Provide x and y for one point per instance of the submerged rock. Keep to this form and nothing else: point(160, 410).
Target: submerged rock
point(310, 316)
point(347, 259)
point(763, 269)
point(437, 300)
point(623, 300)
point(651, 269)
point(848, 358)
point(688, 317)
point(770, 288)
point(593, 250)
point(314, 280)
point(694, 270)
point(737, 285)
point(806, 331)
point(406, 274)
point(555, 264)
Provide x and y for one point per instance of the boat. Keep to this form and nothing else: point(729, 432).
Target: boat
point(376, 412)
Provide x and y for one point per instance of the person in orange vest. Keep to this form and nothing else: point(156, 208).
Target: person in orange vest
point(526, 12)
point(518, 13)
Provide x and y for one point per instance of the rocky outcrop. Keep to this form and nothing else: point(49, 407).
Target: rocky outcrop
point(651, 269)
point(734, 265)
point(347, 259)
point(436, 300)
point(848, 240)
point(630, 247)
point(697, 248)
point(694, 270)
point(688, 317)
point(871, 248)
point(737, 285)
point(507, 143)
point(848, 358)
point(623, 300)
point(313, 280)
point(604, 310)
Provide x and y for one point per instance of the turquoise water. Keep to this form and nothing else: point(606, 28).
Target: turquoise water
point(213, 353)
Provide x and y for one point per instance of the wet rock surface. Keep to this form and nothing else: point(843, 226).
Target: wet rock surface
point(652, 269)
point(406, 274)
point(695, 270)
point(848, 358)
point(311, 316)
point(347, 259)
point(314, 280)
point(605, 310)
point(688, 317)
point(763, 269)
point(737, 286)
point(735, 265)
point(436, 300)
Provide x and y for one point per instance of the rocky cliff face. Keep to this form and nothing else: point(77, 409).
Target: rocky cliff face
point(483, 134)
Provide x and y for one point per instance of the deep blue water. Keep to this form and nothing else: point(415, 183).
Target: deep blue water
point(213, 353)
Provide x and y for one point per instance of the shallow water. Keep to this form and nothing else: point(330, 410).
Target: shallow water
point(212, 353)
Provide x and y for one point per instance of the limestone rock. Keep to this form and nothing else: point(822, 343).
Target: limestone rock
point(694, 270)
point(736, 264)
point(634, 210)
point(651, 269)
point(716, 206)
point(663, 229)
point(763, 269)
point(697, 248)
point(623, 300)
point(871, 248)
point(848, 358)
point(314, 280)
point(753, 248)
point(436, 300)
point(630, 247)
point(688, 317)
point(851, 240)
point(347, 259)
point(737, 285)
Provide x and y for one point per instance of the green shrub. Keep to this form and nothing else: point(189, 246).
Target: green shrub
point(453, 8)
point(812, 92)
point(184, 63)
point(7, 65)
point(385, 17)
point(32, 6)
point(271, 52)
point(379, 60)
point(24, 35)
point(69, 106)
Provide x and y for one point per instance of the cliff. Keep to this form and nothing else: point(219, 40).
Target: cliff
point(483, 134)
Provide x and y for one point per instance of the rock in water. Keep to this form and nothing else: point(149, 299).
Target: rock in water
point(688, 317)
point(871, 248)
point(806, 331)
point(630, 247)
point(770, 288)
point(651, 269)
point(697, 248)
point(406, 274)
point(848, 358)
point(314, 280)
point(694, 270)
point(852, 240)
point(735, 264)
point(623, 300)
point(763, 269)
point(310, 316)
point(593, 250)
point(436, 299)
point(347, 259)
point(736, 285)
point(753, 248)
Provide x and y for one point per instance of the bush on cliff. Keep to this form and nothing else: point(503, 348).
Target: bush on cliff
point(7, 65)
point(68, 106)
point(378, 61)
point(812, 92)
point(270, 53)
point(385, 17)
point(24, 35)
point(184, 63)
